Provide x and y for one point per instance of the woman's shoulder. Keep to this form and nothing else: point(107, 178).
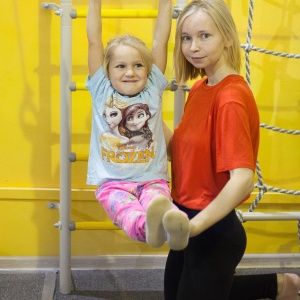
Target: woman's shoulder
point(197, 84)
point(235, 89)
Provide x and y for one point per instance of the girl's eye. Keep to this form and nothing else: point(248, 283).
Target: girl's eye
point(205, 35)
point(139, 66)
point(120, 66)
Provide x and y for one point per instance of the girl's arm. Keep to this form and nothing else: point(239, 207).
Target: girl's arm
point(161, 34)
point(94, 36)
point(237, 188)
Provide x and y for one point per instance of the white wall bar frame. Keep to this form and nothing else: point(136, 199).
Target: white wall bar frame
point(65, 141)
point(180, 94)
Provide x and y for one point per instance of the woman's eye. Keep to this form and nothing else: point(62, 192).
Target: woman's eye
point(185, 38)
point(205, 35)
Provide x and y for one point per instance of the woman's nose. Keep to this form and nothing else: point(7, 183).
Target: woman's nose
point(195, 46)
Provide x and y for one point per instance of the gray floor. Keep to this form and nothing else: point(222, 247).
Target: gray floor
point(116, 285)
point(92, 285)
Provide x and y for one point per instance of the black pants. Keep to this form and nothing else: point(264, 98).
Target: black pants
point(205, 269)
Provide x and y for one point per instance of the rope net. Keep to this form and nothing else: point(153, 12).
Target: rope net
point(248, 47)
point(260, 185)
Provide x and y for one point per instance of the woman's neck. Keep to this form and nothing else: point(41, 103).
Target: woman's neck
point(215, 77)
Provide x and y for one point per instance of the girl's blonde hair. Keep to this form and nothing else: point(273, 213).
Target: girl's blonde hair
point(131, 41)
point(219, 12)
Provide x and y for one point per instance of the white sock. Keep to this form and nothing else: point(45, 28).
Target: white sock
point(177, 227)
point(155, 233)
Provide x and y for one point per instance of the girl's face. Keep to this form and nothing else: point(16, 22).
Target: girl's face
point(201, 42)
point(137, 120)
point(127, 71)
point(112, 116)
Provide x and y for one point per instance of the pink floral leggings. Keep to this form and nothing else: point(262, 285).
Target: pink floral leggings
point(126, 203)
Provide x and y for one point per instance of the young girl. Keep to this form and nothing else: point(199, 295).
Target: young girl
point(127, 151)
point(214, 152)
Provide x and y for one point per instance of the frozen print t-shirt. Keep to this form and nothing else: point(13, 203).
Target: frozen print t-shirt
point(127, 140)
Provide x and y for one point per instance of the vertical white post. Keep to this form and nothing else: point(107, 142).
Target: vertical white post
point(179, 98)
point(65, 146)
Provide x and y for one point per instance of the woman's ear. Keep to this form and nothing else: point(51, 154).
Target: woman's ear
point(228, 42)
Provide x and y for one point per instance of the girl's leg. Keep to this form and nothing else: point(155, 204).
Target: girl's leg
point(146, 191)
point(163, 218)
point(155, 198)
point(119, 200)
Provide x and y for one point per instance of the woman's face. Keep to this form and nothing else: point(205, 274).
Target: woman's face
point(201, 42)
point(112, 116)
point(136, 120)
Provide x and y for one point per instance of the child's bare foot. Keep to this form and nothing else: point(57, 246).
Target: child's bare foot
point(290, 288)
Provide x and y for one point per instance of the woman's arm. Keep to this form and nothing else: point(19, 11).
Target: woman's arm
point(162, 34)
point(237, 188)
point(94, 35)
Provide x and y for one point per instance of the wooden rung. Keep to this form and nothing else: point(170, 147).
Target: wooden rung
point(93, 226)
point(117, 13)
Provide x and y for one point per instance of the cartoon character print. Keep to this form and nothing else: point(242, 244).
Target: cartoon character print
point(134, 125)
point(128, 125)
point(112, 114)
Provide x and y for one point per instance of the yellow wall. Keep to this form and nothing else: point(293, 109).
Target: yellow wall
point(29, 124)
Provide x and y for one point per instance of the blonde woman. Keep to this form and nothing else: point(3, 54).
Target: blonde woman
point(214, 151)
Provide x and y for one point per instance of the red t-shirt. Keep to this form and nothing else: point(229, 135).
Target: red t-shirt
point(219, 131)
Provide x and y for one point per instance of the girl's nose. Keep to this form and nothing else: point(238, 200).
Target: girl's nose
point(129, 72)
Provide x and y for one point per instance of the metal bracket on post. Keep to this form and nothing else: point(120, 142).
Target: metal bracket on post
point(176, 12)
point(52, 6)
point(58, 225)
point(53, 205)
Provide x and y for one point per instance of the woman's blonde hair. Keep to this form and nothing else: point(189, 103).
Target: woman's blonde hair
point(131, 41)
point(219, 12)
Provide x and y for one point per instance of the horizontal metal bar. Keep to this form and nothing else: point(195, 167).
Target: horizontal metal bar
point(93, 226)
point(78, 157)
point(274, 216)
